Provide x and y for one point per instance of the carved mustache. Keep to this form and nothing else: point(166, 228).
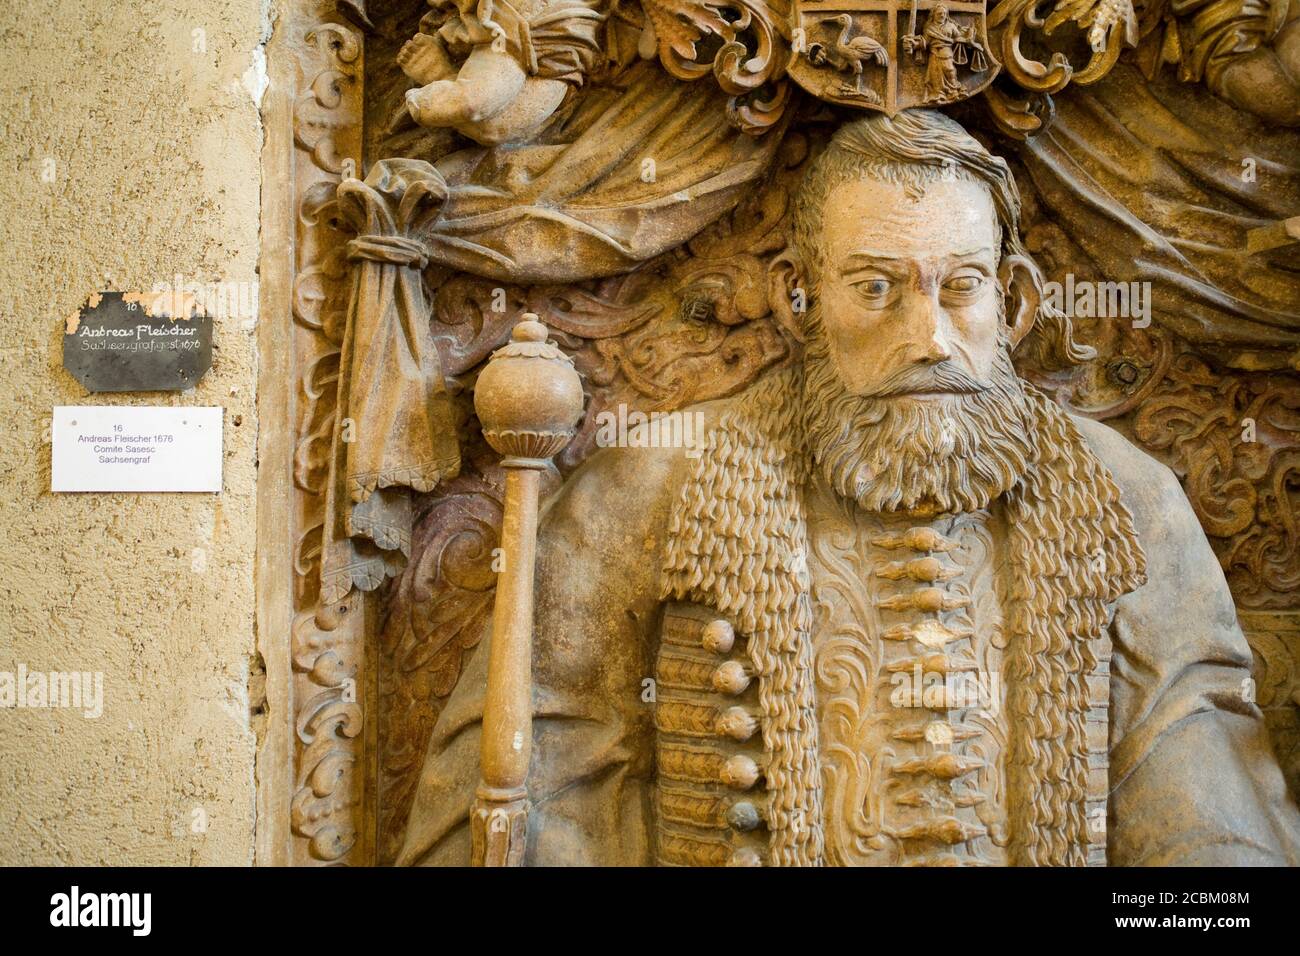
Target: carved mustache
point(944, 377)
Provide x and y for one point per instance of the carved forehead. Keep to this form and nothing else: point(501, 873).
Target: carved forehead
point(867, 215)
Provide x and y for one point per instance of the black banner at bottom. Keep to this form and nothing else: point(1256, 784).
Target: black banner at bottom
point(636, 908)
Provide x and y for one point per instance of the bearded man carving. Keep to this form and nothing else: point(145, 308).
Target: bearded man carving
point(900, 609)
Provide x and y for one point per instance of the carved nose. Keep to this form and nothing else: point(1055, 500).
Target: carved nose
point(930, 343)
point(934, 352)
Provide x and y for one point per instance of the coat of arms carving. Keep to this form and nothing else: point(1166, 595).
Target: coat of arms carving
point(890, 55)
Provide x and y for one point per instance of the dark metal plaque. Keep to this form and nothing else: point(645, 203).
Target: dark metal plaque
point(127, 343)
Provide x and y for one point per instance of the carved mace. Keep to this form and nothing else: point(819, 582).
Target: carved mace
point(529, 400)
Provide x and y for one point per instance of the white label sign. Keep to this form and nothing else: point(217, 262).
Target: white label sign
point(136, 448)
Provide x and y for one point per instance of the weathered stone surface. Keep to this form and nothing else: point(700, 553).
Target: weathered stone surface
point(124, 181)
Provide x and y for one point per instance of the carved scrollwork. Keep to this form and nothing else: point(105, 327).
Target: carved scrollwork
point(327, 644)
point(316, 115)
point(1023, 106)
point(311, 457)
point(328, 722)
point(1236, 439)
point(743, 43)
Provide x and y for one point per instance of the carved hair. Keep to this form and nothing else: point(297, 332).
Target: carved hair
point(1073, 552)
point(913, 150)
point(957, 453)
point(738, 542)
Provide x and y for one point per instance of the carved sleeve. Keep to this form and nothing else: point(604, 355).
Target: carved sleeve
point(1193, 777)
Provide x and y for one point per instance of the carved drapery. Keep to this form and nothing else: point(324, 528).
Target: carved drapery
point(394, 428)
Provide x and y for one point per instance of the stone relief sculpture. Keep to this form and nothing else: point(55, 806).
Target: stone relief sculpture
point(850, 53)
point(914, 593)
point(897, 503)
point(515, 64)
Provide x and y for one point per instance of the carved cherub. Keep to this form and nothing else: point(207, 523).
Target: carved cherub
point(496, 71)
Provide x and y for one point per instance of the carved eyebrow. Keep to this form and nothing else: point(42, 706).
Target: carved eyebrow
point(872, 256)
point(858, 260)
point(974, 253)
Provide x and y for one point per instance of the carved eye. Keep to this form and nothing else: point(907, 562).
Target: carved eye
point(964, 283)
point(874, 288)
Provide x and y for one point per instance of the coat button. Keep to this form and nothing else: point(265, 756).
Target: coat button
point(731, 678)
point(740, 772)
point(737, 723)
point(743, 816)
point(719, 637)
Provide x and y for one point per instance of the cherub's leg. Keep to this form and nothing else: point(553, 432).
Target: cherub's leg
point(487, 83)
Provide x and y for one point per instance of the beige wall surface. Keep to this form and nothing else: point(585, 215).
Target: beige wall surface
point(130, 137)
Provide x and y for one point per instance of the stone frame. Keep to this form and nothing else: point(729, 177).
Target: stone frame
point(314, 771)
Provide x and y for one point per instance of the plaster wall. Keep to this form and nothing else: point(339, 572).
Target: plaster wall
point(130, 139)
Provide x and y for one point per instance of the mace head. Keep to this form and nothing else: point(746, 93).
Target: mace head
point(528, 396)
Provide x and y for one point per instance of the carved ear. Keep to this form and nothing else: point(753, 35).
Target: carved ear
point(784, 286)
point(1022, 284)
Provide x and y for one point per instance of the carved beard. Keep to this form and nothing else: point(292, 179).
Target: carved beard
point(891, 452)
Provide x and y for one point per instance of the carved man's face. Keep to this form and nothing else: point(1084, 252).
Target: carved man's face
point(908, 289)
point(910, 398)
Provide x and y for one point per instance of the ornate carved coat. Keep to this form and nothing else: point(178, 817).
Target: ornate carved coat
point(863, 721)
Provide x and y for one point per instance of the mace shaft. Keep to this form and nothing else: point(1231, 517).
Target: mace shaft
point(501, 811)
point(528, 399)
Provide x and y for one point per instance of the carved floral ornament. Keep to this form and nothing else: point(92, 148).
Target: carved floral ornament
point(870, 54)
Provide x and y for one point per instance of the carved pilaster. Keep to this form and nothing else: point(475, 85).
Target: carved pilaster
point(319, 698)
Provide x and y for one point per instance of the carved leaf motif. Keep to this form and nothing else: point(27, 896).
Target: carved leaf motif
point(311, 457)
point(741, 42)
point(680, 26)
point(326, 651)
point(322, 809)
